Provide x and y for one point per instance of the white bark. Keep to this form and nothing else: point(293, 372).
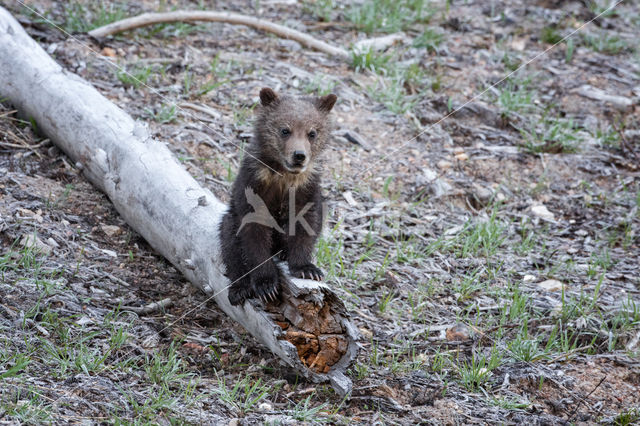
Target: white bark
point(227, 17)
point(147, 185)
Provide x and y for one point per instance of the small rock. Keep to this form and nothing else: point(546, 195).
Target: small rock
point(356, 138)
point(52, 243)
point(111, 230)
point(457, 333)
point(109, 252)
point(32, 241)
point(444, 164)
point(462, 157)
point(440, 187)
point(481, 194)
point(528, 278)
point(519, 44)
point(458, 150)
point(349, 197)
point(542, 212)
point(84, 320)
point(264, 406)
point(367, 334)
point(108, 51)
point(551, 285)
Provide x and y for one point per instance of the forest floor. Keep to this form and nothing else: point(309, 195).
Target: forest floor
point(490, 259)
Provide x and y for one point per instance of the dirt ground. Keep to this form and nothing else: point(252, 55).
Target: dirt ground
point(490, 259)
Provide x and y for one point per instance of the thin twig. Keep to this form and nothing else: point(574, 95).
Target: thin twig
point(150, 308)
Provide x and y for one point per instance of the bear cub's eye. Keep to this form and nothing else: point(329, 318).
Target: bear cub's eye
point(285, 132)
point(312, 134)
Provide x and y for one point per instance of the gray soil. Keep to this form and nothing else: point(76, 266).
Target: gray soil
point(490, 260)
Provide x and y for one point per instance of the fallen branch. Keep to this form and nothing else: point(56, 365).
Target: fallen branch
point(147, 19)
point(162, 202)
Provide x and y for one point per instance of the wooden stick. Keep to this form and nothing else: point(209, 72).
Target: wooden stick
point(147, 19)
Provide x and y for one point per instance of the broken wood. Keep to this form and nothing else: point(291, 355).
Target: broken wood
point(161, 201)
point(147, 19)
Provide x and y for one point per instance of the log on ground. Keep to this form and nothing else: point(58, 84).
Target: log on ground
point(162, 202)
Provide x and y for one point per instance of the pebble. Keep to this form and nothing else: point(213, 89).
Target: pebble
point(551, 285)
point(444, 164)
point(32, 241)
point(111, 230)
point(264, 406)
point(458, 333)
point(462, 157)
point(542, 212)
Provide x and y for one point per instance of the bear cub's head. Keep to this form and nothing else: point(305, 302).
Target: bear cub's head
point(291, 132)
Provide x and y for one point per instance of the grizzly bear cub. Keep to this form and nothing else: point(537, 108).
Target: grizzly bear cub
point(276, 204)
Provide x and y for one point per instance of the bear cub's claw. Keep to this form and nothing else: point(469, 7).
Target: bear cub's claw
point(266, 288)
point(239, 292)
point(308, 271)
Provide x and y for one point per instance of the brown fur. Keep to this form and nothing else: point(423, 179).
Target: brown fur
point(282, 161)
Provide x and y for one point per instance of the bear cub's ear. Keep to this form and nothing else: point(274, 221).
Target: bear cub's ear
point(326, 103)
point(267, 96)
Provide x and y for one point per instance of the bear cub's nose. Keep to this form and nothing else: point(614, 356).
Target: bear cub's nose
point(299, 157)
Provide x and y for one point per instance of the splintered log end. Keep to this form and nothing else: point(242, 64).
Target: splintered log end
point(314, 321)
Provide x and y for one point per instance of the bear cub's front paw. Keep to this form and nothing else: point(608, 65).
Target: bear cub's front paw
point(266, 288)
point(308, 271)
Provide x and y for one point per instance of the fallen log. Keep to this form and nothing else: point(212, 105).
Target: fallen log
point(309, 329)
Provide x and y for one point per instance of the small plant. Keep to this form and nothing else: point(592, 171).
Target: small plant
point(568, 53)
point(550, 35)
point(430, 39)
point(242, 114)
point(321, 9)
point(385, 300)
point(303, 412)
point(511, 61)
point(81, 19)
point(135, 76)
point(604, 7)
point(605, 43)
point(389, 16)
point(516, 96)
point(187, 81)
point(509, 403)
point(165, 114)
point(165, 368)
point(370, 60)
point(476, 372)
point(469, 285)
point(551, 134)
point(481, 238)
point(528, 350)
point(627, 418)
point(219, 74)
point(330, 252)
point(19, 363)
point(393, 91)
point(320, 85)
point(245, 394)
